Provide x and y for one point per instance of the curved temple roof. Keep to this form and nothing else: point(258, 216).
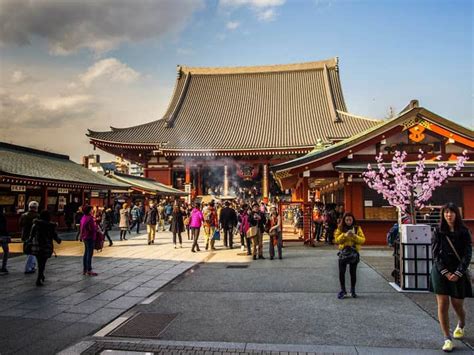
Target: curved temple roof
point(242, 108)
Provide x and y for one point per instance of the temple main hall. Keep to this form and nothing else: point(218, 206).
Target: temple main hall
point(225, 126)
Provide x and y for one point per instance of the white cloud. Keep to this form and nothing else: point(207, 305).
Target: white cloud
point(99, 26)
point(19, 77)
point(267, 15)
point(30, 111)
point(232, 25)
point(264, 9)
point(111, 70)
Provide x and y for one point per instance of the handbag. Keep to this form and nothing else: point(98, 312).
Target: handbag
point(31, 246)
point(216, 235)
point(468, 271)
point(349, 255)
point(252, 232)
point(186, 221)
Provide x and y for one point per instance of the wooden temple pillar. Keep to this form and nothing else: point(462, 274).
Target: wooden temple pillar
point(265, 182)
point(187, 173)
point(45, 198)
point(199, 181)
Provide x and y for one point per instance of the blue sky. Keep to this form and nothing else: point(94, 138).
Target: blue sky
point(121, 71)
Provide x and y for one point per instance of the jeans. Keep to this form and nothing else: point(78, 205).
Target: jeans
point(257, 241)
point(228, 236)
point(279, 242)
point(6, 252)
point(209, 232)
point(342, 274)
point(88, 252)
point(151, 230)
point(245, 241)
point(195, 233)
point(136, 222)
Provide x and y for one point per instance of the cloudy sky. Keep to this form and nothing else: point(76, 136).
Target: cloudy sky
point(66, 66)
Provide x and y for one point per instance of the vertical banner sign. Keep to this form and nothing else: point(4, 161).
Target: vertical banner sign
point(187, 189)
point(265, 182)
point(61, 203)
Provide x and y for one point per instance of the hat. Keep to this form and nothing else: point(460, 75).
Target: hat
point(33, 204)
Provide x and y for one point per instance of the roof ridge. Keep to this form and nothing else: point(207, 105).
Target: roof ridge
point(330, 63)
point(361, 117)
point(20, 148)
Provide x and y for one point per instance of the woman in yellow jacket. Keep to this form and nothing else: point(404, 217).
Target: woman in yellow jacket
point(349, 237)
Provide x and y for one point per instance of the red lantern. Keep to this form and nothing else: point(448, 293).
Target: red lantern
point(248, 172)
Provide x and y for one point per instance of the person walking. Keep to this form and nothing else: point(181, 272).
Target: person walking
point(257, 219)
point(227, 221)
point(275, 235)
point(195, 223)
point(151, 218)
point(45, 232)
point(177, 225)
point(26, 222)
point(243, 228)
point(161, 217)
point(135, 213)
point(124, 223)
point(88, 236)
point(450, 277)
point(107, 223)
point(187, 220)
point(349, 237)
point(77, 221)
point(210, 224)
point(4, 241)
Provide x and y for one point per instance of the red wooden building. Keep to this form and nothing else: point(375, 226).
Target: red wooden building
point(334, 174)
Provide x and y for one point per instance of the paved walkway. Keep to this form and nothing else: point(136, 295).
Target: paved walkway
point(222, 302)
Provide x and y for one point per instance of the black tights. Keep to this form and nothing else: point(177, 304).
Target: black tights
point(123, 233)
point(41, 266)
point(342, 274)
point(179, 237)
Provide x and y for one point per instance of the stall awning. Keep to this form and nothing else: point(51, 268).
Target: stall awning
point(147, 185)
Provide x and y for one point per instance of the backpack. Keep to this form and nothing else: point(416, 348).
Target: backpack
point(99, 241)
point(31, 246)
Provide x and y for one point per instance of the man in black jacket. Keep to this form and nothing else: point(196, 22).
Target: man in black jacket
point(257, 219)
point(228, 220)
point(151, 218)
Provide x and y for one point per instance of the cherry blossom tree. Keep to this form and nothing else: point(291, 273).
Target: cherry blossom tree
point(409, 190)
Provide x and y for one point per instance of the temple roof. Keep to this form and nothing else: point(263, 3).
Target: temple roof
point(147, 185)
point(242, 108)
point(17, 162)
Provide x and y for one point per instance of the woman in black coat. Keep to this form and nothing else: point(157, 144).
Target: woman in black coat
point(107, 223)
point(44, 232)
point(177, 225)
point(450, 279)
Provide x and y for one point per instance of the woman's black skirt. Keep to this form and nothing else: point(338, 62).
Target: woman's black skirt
point(440, 285)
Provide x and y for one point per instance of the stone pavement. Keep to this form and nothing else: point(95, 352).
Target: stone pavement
point(44, 320)
point(222, 302)
point(230, 304)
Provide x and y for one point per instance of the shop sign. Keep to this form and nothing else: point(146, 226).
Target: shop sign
point(94, 194)
point(62, 191)
point(18, 188)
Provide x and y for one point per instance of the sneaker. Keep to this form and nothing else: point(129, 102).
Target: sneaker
point(353, 294)
point(90, 273)
point(242, 248)
point(175, 246)
point(180, 246)
point(448, 345)
point(458, 332)
point(341, 294)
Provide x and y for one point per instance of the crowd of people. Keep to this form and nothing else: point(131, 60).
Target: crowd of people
point(247, 222)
